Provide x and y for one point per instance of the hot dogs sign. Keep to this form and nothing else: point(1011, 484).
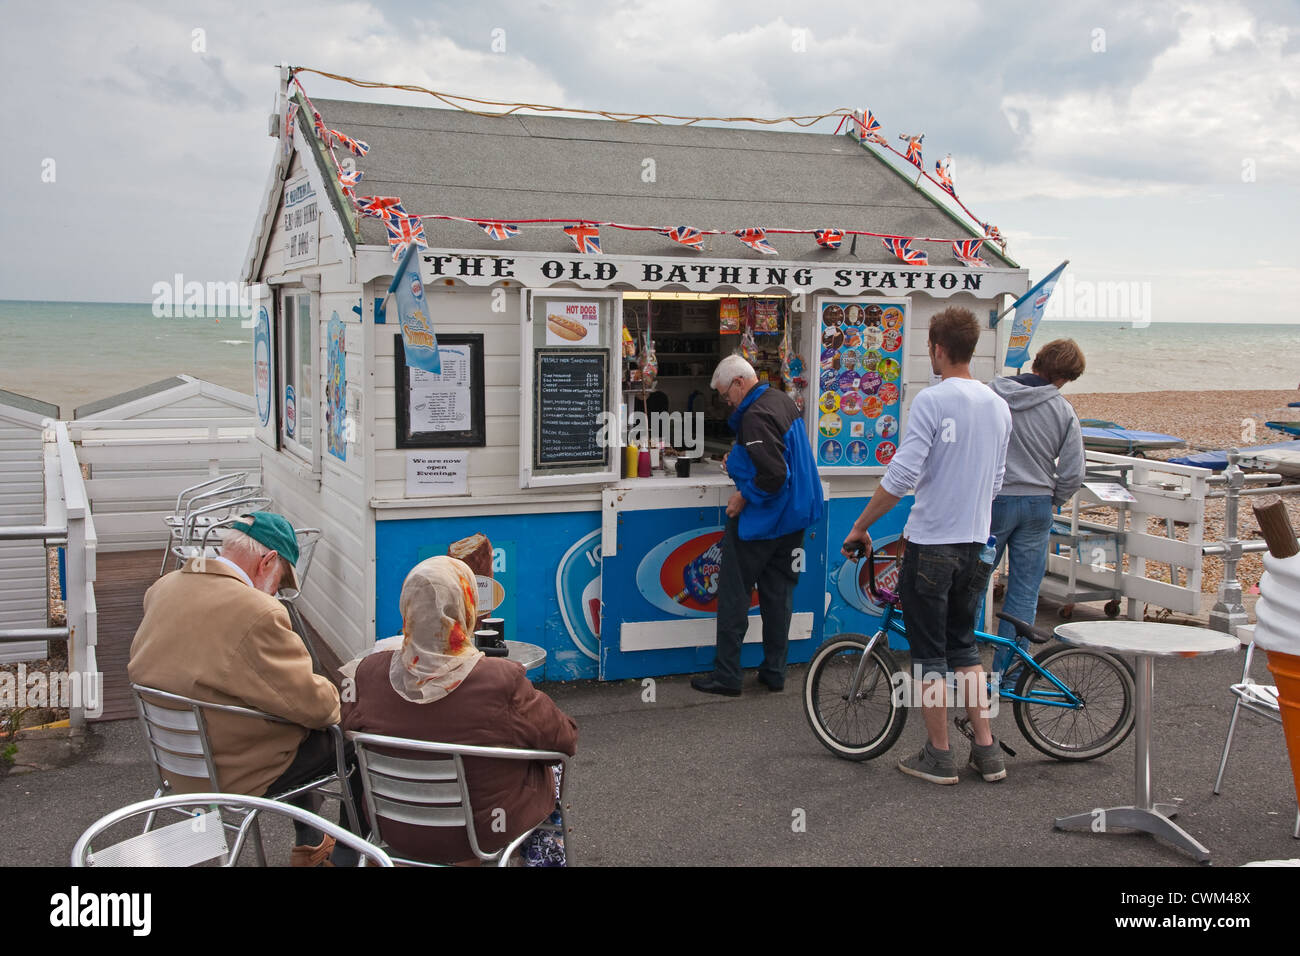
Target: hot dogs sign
point(570, 322)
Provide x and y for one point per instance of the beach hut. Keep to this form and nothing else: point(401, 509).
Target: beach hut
point(510, 456)
point(24, 595)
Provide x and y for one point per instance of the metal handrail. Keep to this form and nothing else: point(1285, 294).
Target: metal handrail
point(1228, 612)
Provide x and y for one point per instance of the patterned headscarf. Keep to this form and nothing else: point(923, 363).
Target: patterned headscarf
point(439, 603)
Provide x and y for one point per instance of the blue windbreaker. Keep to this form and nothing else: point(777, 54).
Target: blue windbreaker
point(772, 465)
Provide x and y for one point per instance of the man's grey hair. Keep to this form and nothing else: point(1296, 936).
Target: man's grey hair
point(236, 542)
point(731, 368)
point(239, 544)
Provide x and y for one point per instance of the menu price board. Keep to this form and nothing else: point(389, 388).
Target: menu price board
point(860, 382)
point(444, 409)
point(570, 393)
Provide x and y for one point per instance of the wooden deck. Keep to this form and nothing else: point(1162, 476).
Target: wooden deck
point(121, 579)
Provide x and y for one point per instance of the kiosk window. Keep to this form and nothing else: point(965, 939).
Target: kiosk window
point(572, 388)
point(297, 395)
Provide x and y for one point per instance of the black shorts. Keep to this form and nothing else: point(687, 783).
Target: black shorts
point(940, 587)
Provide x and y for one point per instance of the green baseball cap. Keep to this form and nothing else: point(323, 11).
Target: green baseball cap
point(275, 532)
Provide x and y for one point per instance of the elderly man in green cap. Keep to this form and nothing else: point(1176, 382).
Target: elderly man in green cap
point(214, 631)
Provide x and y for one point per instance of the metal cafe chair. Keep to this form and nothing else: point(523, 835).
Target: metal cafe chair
point(308, 538)
point(426, 786)
point(202, 522)
point(176, 734)
point(1259, 699)
point(201, 837)
point(176, 519)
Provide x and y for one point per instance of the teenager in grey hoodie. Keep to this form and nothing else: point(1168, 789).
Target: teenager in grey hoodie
point(1044, 468)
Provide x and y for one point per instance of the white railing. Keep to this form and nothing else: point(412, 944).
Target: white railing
point(139, 465)
point(68, 522)
point(1172, 494)
point(79, 562)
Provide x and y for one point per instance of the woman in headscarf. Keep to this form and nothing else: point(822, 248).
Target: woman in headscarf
point(440, 687)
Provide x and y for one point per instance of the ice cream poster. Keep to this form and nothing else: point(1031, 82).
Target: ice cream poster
point(680, 575)
point(336, 384)
point(860, 383)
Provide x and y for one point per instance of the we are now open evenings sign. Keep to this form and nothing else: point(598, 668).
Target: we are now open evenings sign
point(437, 473)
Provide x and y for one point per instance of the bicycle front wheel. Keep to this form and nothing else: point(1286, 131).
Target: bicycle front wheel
point(868, 724)
point(1100, 723)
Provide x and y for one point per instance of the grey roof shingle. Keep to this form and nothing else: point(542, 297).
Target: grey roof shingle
point(538, 167)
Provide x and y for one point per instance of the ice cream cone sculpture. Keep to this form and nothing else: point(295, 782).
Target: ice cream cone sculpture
point(1277, 628)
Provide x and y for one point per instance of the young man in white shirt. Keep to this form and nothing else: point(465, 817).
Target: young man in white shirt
point(954, 455)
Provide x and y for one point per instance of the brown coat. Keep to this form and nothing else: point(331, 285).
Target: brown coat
point(206, 634)
point(495, 706)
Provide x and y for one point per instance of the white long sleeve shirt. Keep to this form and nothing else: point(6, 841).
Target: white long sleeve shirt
point(954, 455)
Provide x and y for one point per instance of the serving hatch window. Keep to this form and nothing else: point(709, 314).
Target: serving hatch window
point(571, 388)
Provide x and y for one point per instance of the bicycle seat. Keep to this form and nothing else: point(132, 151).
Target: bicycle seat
point(1024, 630)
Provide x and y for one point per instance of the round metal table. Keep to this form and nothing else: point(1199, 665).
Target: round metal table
point(1145, 641)
point(529, 655)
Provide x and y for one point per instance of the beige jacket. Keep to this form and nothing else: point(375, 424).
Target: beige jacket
point(206, 634)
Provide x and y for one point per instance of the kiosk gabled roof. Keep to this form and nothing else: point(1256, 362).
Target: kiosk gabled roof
point(538, 167)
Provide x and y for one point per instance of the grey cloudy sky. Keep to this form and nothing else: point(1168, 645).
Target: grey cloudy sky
point(1150, 142)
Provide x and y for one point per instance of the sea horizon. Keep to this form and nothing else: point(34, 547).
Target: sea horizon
point(128, 346)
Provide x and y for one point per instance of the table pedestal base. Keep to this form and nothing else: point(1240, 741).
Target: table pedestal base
point(1154, 821)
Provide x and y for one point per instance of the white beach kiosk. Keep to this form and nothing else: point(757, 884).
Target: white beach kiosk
point(498, 459)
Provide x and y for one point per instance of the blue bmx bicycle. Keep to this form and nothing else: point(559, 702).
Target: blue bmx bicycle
point(1071, 703)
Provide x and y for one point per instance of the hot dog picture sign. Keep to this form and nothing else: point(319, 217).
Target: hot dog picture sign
point(569, 322)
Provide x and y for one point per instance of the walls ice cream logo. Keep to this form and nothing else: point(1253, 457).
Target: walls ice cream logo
point(680, 575)
point(577, 587)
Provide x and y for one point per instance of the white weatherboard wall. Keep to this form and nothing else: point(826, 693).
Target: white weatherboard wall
point(143, 452)
point(493, 469)
point(338, 595)
point(23, 586)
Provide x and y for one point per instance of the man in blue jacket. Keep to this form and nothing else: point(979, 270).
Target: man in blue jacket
point(778, 495)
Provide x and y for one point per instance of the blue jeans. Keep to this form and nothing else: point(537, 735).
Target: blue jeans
point(1021, 524)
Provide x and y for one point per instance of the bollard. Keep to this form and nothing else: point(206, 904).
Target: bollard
point(1228, 613)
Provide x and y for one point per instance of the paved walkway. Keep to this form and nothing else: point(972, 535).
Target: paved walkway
point(694, 779)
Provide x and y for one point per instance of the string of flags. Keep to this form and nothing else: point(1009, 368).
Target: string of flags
point(404, 228)
point(866, 129)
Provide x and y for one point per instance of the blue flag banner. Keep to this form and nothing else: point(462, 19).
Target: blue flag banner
point(1029, 312)
point(420, 343)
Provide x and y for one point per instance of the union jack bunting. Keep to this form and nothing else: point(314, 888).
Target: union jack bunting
point(402, 232)
point(914, 149)
point(686, 236)
point(943, 174)
point(291, 114)
point(350, 178)
point(829, 238)
point(322, 131)
point(967, 252)
point(498, 230)
point(871, 129)
point(586, 238)
point(357, 147)
point(381, 207)
point(991, 233)
point(755, 239)
point(902, 248)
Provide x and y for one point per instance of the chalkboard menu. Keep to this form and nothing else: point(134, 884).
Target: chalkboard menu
point(570, 391)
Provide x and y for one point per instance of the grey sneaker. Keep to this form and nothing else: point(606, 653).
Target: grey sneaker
point(933, 765)
point(988, 762)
